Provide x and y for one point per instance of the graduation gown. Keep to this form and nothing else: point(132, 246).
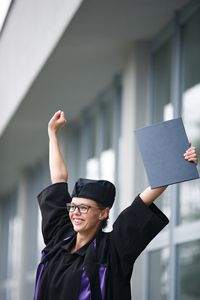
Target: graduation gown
point(101, 269)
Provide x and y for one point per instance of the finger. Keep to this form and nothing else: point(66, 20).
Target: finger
point(190, 150)
point(62, 117)
point(193, 160)
point(57, 115)
point(190, 154)
point(192, 157)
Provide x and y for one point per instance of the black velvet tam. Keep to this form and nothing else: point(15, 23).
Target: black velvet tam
point(101, 191)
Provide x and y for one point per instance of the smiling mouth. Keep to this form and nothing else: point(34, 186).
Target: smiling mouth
point(78, 221)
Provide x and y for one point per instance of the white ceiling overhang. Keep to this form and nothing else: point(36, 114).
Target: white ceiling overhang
point(84, 62)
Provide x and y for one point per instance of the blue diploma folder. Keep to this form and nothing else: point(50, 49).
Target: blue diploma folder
point(162, 146)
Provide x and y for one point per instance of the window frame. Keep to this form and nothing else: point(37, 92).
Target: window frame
point(177, 233)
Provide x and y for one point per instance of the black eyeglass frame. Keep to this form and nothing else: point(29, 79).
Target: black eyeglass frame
point(68, 205)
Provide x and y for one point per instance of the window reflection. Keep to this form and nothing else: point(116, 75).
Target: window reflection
point(92, 168)
point(92, 164)
point(163, 203)
point(9, 248)
point(158, 277)
point(162, 82)
point(163, 108)
point(92, 138)
point(78, 152)
point(108, 129)
point(190, 191)
point(189, 270)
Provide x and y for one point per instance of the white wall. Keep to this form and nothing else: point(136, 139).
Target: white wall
point(31, 32)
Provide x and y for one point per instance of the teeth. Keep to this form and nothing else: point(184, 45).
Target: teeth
point(77, 221)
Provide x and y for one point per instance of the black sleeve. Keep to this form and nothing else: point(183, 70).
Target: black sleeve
point(135, 227)
point(52, 202)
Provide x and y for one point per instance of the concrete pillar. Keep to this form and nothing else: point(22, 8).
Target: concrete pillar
point(128, 105)
point(133, 115)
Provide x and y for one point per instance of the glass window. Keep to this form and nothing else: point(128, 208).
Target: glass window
point(162, 83)
point(107, 159)
point(10, 226)
point(92, 137)
point(190, 191)
point(189, 271)
point(163, 203)
point(163, 108)
point(158, 274)
point(108, 120)
point(92, 164)
point(77, 151)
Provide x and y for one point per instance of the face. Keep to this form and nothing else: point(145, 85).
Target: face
point(89, 222)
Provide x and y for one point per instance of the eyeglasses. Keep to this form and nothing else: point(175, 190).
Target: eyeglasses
point(82, 208)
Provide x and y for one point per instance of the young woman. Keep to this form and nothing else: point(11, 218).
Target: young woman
point(80, 261)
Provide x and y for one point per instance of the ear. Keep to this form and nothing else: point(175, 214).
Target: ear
point(104, 213)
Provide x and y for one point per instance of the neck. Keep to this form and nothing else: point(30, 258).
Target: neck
point(81, 240)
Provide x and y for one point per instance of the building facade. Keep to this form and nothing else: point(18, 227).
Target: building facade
point(113, 68)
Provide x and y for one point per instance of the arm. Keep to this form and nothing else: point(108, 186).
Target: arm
point(55, 217)
point(132, 231)
point(58, 170)
point(149, 195)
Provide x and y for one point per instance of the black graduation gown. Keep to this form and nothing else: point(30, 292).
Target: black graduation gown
point(116, 251)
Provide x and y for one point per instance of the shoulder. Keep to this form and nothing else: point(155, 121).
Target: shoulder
point(55, 217)
point(55, 192)
point(138, 212)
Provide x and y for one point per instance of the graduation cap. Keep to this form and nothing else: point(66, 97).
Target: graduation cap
point(101, 191)
point(162, 146)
